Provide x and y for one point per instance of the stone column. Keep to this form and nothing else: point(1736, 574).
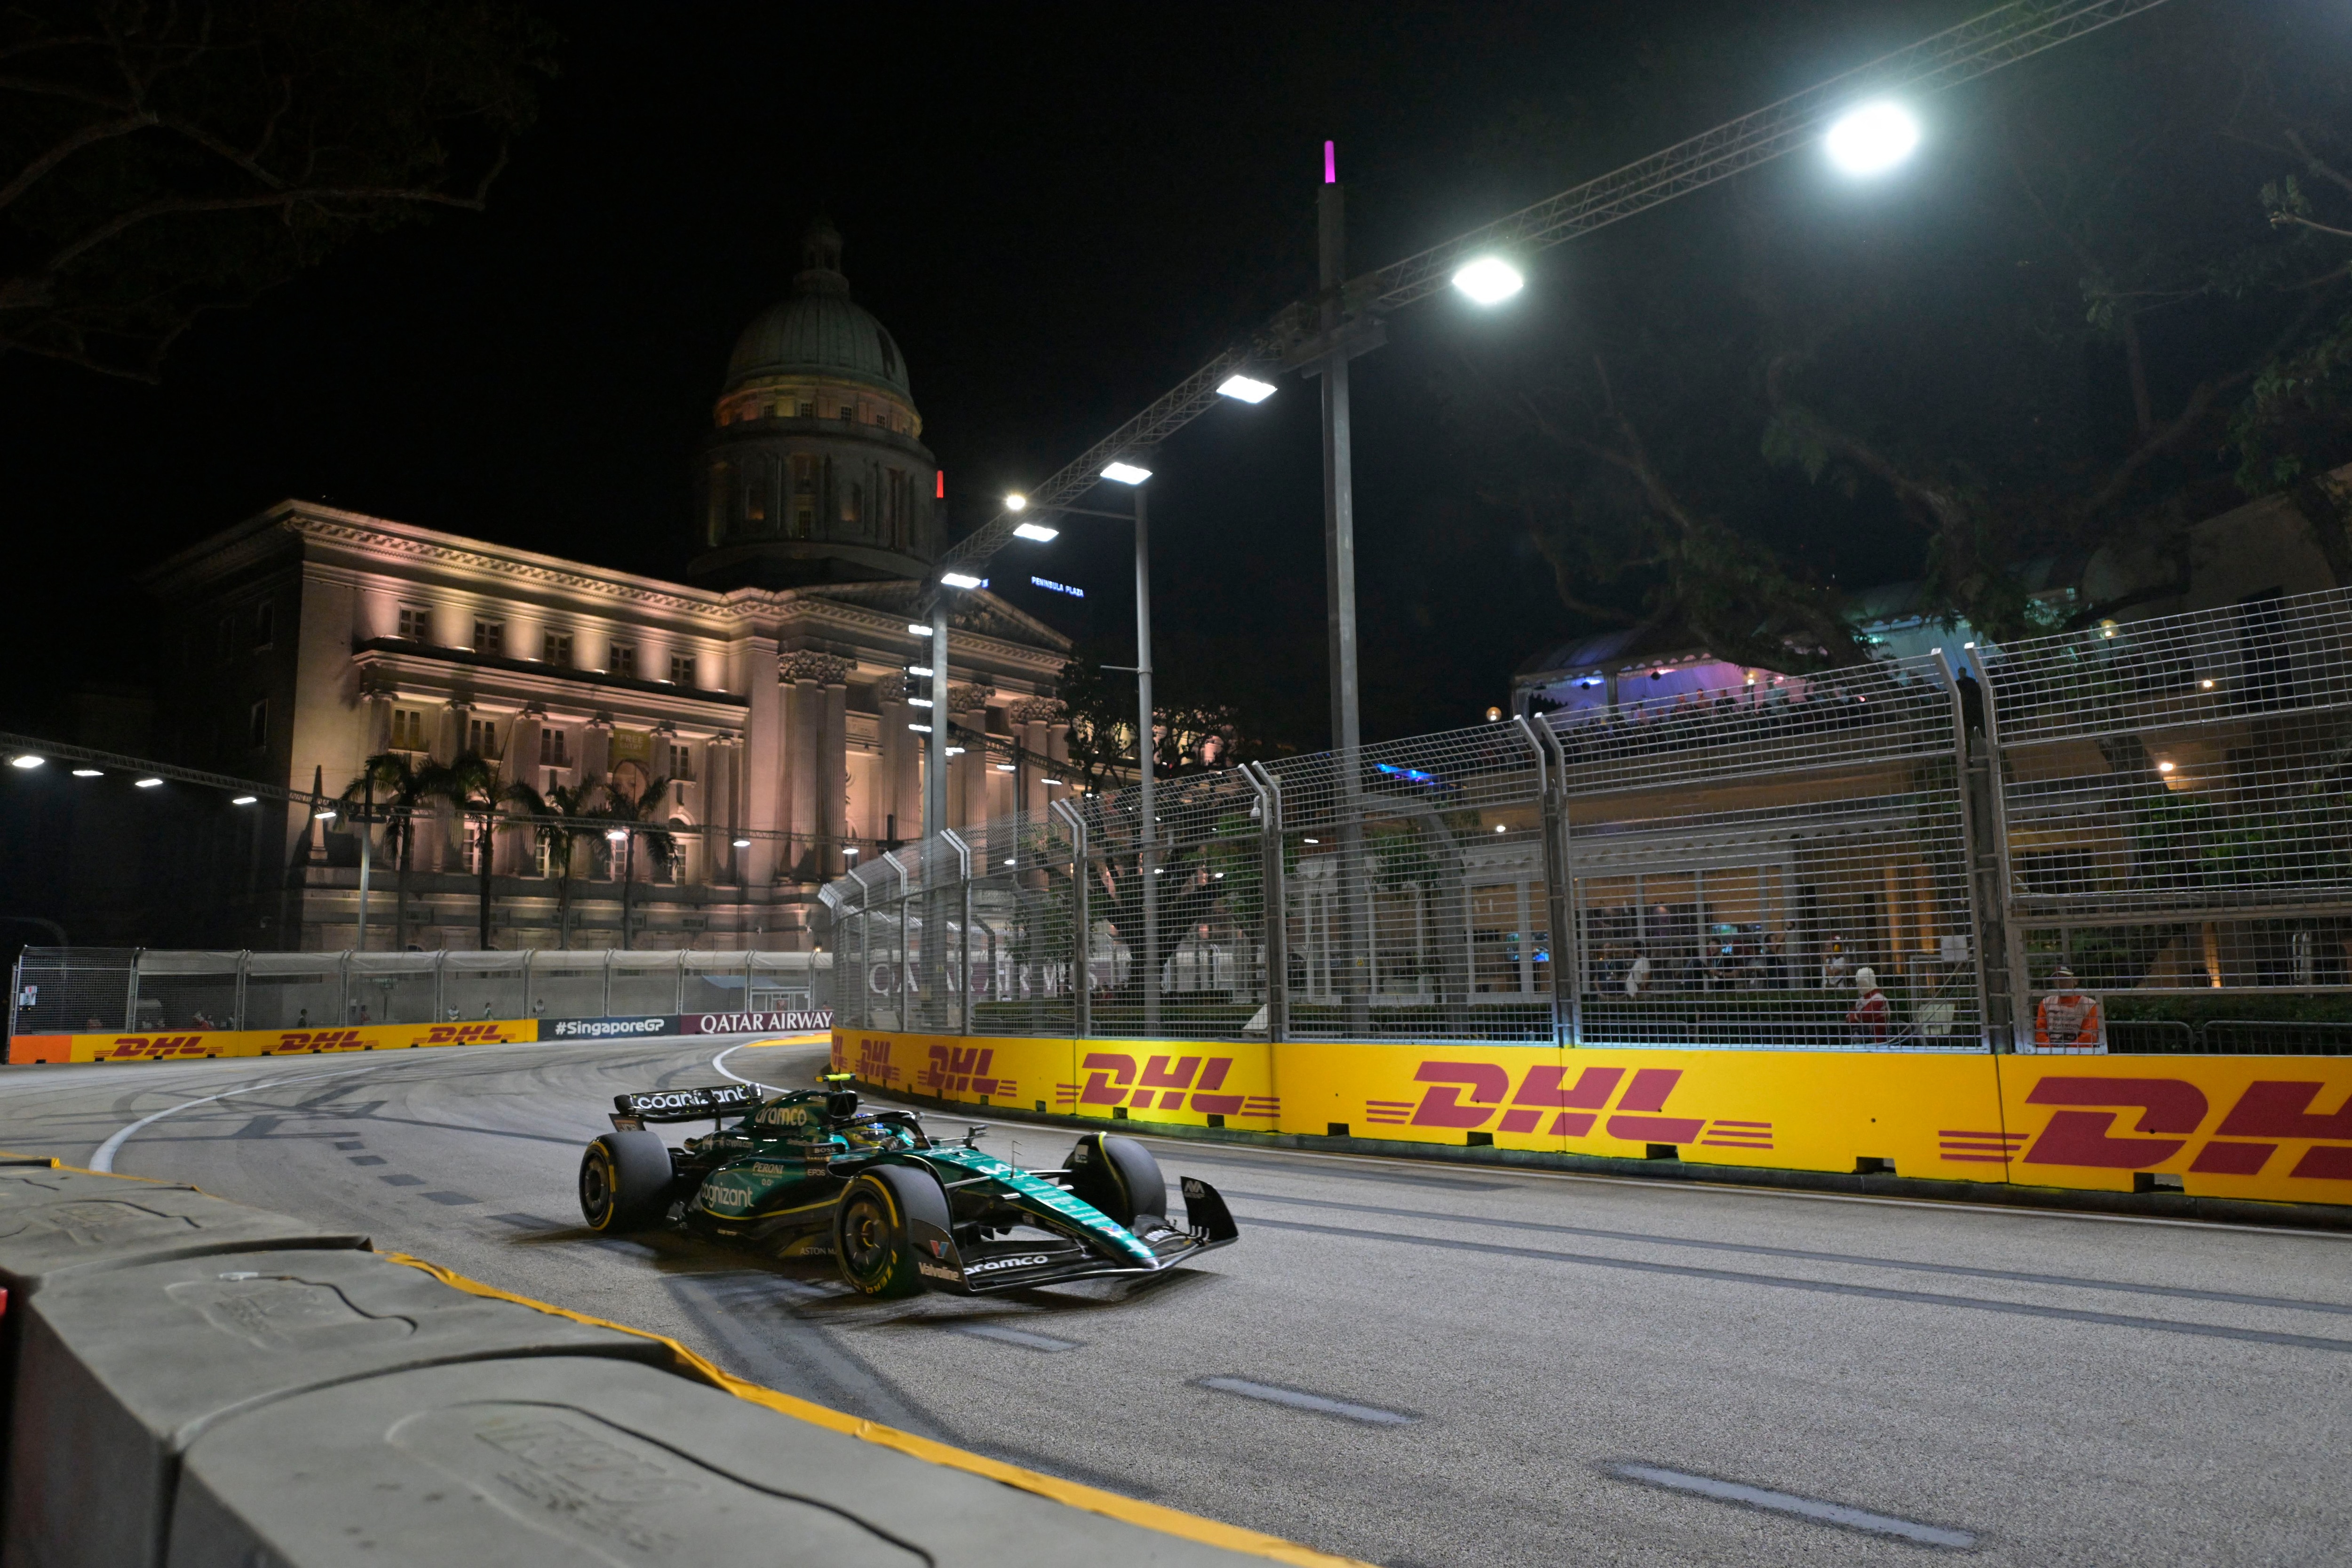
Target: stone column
point(720, 808)
point(763, 758)
point(378, 738)
point(833, 775)
point(518, 847)
point(596, 750)
point(1030, 718)
point(967, 788)
point(891, 718)
point(803, 718)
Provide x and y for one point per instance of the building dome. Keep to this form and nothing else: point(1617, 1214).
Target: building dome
point(818, 331)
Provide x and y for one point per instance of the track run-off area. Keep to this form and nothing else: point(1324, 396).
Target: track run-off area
point(1415, 1364)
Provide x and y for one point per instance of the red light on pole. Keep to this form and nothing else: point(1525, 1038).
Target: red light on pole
point(1330, 162)
point(940, 491)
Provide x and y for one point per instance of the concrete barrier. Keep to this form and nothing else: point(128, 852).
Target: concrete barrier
point(204, 1385)
point(200, 1045)
point(2225, 1130)
point(554, 1462)
point(119, 1371)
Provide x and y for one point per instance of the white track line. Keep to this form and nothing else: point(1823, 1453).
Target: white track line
point(719, 1062)
point(103, 1159)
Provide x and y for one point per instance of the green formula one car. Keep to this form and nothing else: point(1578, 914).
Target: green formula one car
point(809, 1173)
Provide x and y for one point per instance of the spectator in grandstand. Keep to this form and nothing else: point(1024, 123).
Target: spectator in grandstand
point(1637, 974)
point(2067, 1020)
point(1834, 963)
point(1869, 1016)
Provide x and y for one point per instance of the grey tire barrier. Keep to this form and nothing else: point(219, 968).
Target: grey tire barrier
point(118, 1371)
point(192, 1383)
point(554, 1463)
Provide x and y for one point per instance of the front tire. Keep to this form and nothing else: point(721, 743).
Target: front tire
point(1117, 1176)
point(625, 1181)
point(870, 1241)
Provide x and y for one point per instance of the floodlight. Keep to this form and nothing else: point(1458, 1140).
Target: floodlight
point(922, 670)
point(1005, 768)
point(100, 774)
point(151, 783)
point(920, 728)
point(1247, 389)
point(25, 760)
point(742, 844)
point(955, 751)
point(1872, 139)
point(1490, 279)
point(1037, 531)
point(1126, 473)
point(617, 834)
point(918, 702)
point(920, 631)
point(1016, 502)
point(244, 800)
point(958, 579)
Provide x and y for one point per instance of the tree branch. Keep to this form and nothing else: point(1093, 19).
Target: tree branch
point(282, 199)
point(88, 135)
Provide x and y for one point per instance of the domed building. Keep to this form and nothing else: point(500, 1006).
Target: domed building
point(816, 471)
point(757, 704)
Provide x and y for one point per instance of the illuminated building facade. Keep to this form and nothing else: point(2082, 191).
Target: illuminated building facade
point(762, 697)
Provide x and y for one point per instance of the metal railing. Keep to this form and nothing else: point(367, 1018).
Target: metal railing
point(95, 990)
point(1893, 856)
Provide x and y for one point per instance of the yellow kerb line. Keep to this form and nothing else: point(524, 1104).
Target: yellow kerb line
point(1149, 1516)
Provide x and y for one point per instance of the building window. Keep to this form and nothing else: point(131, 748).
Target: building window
point(804, 522)
point(539, 847)
point(849, 412)
point(256, 733)
point(851, 495)
point(415, 624)
point(551, 748)
point(556, 648)
point(681, 669)
point(624, 658)
point(808, 410)
point(490, 637)
point(476, 839)
point(408, 730)
point(265, 623)
point(682, 764)
point(482, 738)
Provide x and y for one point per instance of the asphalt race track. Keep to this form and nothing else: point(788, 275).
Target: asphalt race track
point(1413, 1365)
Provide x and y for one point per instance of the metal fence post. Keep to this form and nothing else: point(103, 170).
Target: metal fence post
point(1274, 897)
point(1082, 1010)
point(440, 985)
point(244, 963)
point(131, 994)
point(1559, 884)
point(342, 988)
point(523, 1001)
point(2018, 988)
point(16, 990)
point(604, 1007)
point(963, 949)
point(1974, 833)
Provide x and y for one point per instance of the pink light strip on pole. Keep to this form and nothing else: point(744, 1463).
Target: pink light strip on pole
point(1330, 162)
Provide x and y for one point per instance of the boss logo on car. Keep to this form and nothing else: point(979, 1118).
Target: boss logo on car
point(938, 1271)
point(1028, 1262)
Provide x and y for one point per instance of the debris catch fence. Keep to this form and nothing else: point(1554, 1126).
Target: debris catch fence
point(1893, 857)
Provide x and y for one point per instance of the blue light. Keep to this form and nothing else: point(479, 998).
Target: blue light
point(1050, 584)
point(1415, 774)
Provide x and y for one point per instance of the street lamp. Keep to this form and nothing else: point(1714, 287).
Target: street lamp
point(1245, 388)
point(1490, 279)
point(1872, 139)
point(1036, 532)
point(25, 761)
point(1126, 473)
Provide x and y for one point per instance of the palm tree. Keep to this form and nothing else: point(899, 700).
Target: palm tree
point(644, 808)
point(470, 785)
point(389, 784)
point(561, 818)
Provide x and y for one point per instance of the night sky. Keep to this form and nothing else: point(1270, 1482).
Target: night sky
point(1057, 210)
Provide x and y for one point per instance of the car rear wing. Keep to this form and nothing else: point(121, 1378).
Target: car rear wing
point(717, 1102)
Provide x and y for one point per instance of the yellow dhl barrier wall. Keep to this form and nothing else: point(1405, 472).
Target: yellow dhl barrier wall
point(2277, 1128)
point(184, 1045)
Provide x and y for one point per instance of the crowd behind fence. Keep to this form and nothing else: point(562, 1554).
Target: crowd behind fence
point(1898, 856)
point(75, 990)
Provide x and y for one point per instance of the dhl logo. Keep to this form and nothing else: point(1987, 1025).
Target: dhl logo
point(962, 1070)
point(153, 1047)
point(463, 1035)
point(873, 1063)
point(1114, 1078)
point(1465, 1096)
point(316, 1040)
point(2267, 1114)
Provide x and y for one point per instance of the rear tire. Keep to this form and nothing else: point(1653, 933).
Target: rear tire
point(870, 1241)
point(1119, 1176)
point(625, 1181)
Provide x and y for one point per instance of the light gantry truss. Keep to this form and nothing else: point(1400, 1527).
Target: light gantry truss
point(2002, 37)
